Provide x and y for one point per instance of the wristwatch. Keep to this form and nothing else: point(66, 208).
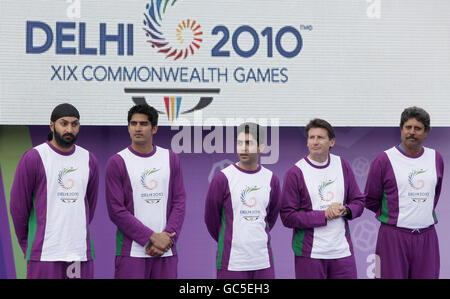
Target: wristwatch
point(346, 212)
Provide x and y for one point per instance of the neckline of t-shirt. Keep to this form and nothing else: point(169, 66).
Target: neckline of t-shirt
point(143, 155)
point(410, 156)
point(59, 151)
point(247, 171)
point(318, 166)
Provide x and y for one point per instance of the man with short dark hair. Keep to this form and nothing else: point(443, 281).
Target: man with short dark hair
point(403, 188)
point(241, 207)
point(319, 196)
point(146, 200)
point(53, 200)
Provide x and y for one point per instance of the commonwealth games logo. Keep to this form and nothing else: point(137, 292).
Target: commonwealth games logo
point(413, 182)
point(67, 184)
point(188, 32)
point(329, 194)
point(247, 214)
point(151, 185)
point(252, 201)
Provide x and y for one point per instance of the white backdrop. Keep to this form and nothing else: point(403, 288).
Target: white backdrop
point(361, 62)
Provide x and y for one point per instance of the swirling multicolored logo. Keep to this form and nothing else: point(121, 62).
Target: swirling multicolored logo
point(251, 202)
point(413, 181)
point(188, 32)
point(153, 183)
point(329, 194)
point(150, 198)
point(66, 184)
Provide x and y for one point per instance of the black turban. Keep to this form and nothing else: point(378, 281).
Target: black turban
point(63, 110)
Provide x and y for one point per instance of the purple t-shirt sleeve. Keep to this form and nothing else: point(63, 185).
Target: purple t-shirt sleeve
point(217, 192)
point(354, 198)
point(374, 184)
point(92, 187)
point(119, 211)
point(296, 208)
point(440, 176)
point(177, 198)
point(274, 206)
point(22, 191)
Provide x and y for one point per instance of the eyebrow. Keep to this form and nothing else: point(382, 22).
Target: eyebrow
point(70, 122)
point(312, 135)
point(247, 140)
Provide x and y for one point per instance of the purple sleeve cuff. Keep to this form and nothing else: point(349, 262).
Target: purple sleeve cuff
point(311, 219)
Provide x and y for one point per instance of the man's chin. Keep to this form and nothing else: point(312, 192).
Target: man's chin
point(66, 143)
point(412, 143)
point(316, 153)
point(140, 141)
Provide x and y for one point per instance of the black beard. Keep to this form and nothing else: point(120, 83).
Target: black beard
point(63, 143)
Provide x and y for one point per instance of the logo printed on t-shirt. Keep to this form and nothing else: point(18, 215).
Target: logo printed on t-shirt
point(249, 214)
point(328, 196)
point(150, 197)
point(153, 183)
point(417, 184)
point(67, 183)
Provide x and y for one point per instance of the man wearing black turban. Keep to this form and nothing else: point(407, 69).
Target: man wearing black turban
point(66, 118)
point(53, 199)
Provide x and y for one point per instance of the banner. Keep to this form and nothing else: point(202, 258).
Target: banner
point(352, 62)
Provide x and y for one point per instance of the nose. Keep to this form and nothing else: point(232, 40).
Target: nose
point(242, 147)
point(69, 129)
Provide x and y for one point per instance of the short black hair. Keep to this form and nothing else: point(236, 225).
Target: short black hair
point(148, 110)
point(419, 114)
point(320, 123)
point(253, 129)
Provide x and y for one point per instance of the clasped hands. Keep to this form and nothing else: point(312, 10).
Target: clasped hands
point(335, 210)
point(159, 244)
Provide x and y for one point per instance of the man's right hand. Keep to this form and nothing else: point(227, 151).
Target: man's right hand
point(162, 241)
point(335, 210)
point(153, 251)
